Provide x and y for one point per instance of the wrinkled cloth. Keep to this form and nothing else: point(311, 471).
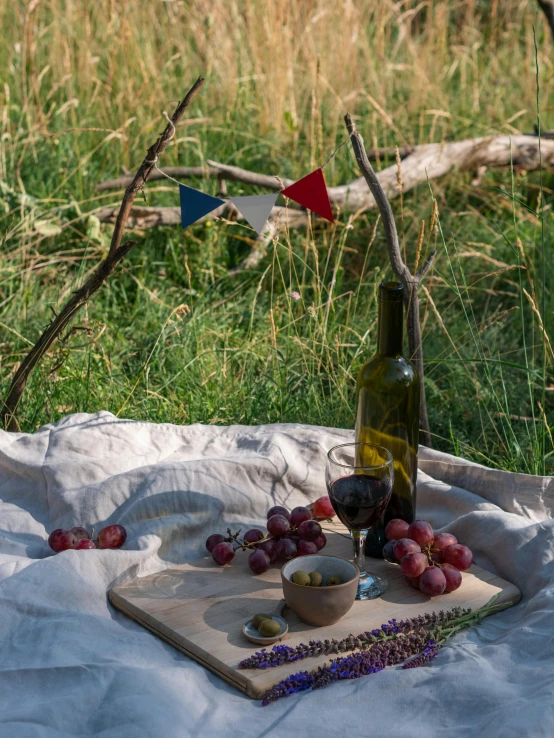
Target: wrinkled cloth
point(72, 665)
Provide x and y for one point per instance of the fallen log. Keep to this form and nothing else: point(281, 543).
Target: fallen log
point(427, 161)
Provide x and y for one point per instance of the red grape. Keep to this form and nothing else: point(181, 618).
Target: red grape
point(112, 536)
point(322, 508)
point(321, 541)
point(259, 561)
point(397, 529)
point(437, 557)
point(442, 540)
point(224, 553)
point(79, 532)
point(309, 530)
point(270, 547)
point(278, 510)
point(432, 582)
point(306, 548)
point(421, 532)
point(388, 552)
point(459, 556)
point(278, 525)
point(286, 549)
point(213, 540)
point(413, 564)
point(83, 543)
point(405, 546)
point(413, 582)
point(61, 539)
point(453, 577)
point(253, 535)
point(299, 515)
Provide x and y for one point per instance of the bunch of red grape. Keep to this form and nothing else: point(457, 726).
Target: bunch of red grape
point(290, 534)
point(432, 563)
point(112, 536)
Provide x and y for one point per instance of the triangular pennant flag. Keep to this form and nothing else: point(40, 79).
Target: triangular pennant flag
point(195, 204)
point(255, 209)
point(311, 192)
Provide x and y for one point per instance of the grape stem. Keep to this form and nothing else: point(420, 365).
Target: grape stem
point(242, 545)
point(429, 550)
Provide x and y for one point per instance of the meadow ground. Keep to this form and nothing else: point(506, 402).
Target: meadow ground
point(173, 337)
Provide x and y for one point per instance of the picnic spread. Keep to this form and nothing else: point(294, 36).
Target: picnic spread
point(73, 664)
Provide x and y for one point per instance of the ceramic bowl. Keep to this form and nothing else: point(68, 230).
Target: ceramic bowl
point(320, 605)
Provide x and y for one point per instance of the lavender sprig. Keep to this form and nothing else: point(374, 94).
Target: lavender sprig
point(355, 665)
point(414, 642)
point(286, 654)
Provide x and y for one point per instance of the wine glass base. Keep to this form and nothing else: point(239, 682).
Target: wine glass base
point(371, 586)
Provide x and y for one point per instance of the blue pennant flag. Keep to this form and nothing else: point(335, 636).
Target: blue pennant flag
point(196, 204)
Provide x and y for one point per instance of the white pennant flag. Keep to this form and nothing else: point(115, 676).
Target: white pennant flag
point(255, 209)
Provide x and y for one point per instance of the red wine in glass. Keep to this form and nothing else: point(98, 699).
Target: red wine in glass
point(359, 479)
point(359, 499)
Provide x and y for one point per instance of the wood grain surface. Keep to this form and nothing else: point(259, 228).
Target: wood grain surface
point(200, 608)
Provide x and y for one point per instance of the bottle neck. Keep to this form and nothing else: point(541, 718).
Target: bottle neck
point(391, 328)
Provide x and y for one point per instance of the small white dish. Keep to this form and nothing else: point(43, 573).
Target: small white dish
point(253, 634)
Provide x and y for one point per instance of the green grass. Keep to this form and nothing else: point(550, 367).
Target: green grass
point(172, 337)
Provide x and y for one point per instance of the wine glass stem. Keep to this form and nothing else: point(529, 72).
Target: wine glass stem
point(358, 539)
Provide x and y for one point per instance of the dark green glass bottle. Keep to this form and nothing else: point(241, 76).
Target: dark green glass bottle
point(388, 411)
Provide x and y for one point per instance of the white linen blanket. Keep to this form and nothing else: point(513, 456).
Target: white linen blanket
point(71, 665)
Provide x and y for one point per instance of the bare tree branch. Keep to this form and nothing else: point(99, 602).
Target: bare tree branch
point(116, 253)
point(233, 174)
point(410, 282)
point(387, 216)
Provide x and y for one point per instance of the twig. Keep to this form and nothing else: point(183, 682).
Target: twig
point(116, 253)
point(233, 174)
point(410, 282)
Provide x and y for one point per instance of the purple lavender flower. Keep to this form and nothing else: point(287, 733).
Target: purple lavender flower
point(292, 684)
point(430, 653)
point(286, 654)
point(415, 641)
point(356, 665)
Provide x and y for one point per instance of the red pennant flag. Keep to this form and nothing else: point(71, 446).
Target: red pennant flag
point(311, 192)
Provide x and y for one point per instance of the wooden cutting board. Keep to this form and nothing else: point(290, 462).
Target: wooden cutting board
point(200, 609)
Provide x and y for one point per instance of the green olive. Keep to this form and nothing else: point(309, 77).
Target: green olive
point(315, 579)
point(259, 618)
point(334, 580)
point(269, 628)
point(301, 577)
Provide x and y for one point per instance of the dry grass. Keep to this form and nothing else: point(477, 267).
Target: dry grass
point(423, 71)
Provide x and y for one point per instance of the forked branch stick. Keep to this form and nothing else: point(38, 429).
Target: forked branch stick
point(116, 253)
point(409, 280)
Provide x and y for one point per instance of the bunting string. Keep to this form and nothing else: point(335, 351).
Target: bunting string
point(334, 153)
point(309, 191)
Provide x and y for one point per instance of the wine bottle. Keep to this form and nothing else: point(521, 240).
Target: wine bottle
point(388, 411)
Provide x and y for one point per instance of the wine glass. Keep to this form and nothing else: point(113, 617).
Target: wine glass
point(359, 479)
